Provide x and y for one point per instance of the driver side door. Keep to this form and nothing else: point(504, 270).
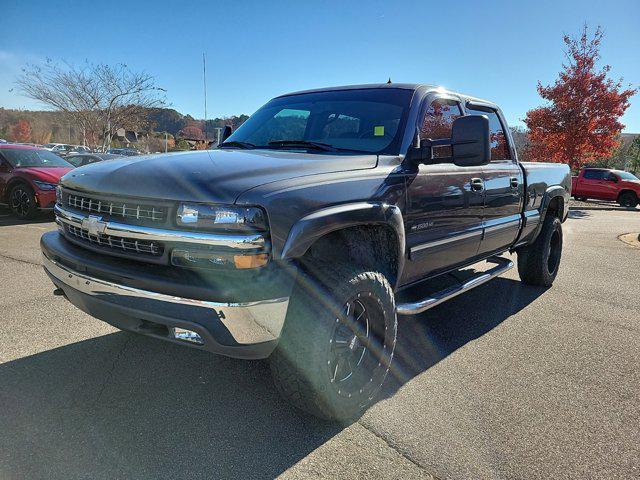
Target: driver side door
point(445, 202)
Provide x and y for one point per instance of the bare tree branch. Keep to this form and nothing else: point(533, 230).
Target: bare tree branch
point(99, 98)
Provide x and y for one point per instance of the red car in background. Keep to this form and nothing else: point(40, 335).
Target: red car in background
point(28, 178)
point(606, 184)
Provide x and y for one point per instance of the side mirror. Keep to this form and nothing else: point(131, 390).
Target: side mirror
point(470, 141)
point(226, 133)
point(612, 178)
point(470, 144)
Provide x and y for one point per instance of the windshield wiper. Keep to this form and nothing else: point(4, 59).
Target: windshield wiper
point(234, 143)
point(325, 147)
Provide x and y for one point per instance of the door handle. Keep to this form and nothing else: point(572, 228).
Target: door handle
point(477, 184)
point(514, 182)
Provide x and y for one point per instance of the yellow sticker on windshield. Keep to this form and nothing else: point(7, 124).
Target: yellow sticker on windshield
point(378, 131)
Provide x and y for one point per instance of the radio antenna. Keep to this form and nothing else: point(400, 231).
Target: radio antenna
point(204, 79)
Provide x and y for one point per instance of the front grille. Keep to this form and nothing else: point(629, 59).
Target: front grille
point(115, 209)
point(143, 247)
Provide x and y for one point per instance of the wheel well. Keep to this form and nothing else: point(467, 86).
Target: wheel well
point(556, 207)
point(622, 192)
point(370, 246)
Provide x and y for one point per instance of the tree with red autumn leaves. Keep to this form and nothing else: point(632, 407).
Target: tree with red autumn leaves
point(21, 131)
point(581, 122)
point(192, 132)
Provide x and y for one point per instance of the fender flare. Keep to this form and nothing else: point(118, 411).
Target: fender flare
point(312, 227)
point(549, 194)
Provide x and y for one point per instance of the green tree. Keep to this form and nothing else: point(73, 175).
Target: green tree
point(634, 155)
point(182, 144)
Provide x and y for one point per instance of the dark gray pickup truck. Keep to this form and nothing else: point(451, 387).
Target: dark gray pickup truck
point(294, 238)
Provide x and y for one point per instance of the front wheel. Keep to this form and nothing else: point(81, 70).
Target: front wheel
point(337, 343)
point(538, 263)
point(628, 200)
point(22, 201)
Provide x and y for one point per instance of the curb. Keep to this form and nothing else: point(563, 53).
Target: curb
point(630, 239)
point(605, 209)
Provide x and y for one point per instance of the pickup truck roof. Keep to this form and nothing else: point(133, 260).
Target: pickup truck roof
point(403, 86)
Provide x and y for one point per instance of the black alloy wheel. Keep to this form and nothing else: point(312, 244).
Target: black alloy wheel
point(22, 202)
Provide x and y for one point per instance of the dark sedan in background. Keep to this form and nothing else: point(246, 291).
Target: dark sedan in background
point(79, 160)
point(127, 152)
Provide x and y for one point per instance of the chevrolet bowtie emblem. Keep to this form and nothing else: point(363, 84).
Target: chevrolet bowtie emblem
point(94, 225)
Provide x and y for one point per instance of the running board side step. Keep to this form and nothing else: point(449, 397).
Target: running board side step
point(414, 308)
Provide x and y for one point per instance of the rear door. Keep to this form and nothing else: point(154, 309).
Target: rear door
point(444, 212)
point(503, 184)
point(610, 186)
point(593, 183)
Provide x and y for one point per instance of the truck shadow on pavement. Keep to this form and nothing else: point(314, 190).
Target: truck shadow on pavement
point(125, 406)
point(579, 214)
point(430, 337)
point(7, 218)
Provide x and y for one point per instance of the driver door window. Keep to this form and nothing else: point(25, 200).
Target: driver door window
point(437, 123)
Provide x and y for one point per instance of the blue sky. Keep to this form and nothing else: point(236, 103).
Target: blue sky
point(259, 49)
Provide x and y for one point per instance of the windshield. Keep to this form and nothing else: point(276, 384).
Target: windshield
point(75, 160)
point(356, 121)
point(19, 157)
point(626, 176)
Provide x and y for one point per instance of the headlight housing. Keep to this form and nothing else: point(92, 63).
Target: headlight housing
point(44, 185)
point(58, 194)
point(199, 216)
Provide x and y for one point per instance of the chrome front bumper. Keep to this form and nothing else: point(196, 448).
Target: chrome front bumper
point(242, 330)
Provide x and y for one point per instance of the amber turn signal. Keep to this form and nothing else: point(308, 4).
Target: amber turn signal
point(250, 261)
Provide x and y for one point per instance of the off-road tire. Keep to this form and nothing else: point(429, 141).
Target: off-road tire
point(628, 200)
point(301, 365)
point(22, 201)
point(539, 262)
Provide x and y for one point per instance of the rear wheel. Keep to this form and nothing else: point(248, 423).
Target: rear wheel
point(337, 343)
point(22, 201)
point(628, 200)
point(538, 263)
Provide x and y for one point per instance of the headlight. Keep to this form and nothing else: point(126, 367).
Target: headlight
point(58, 194)
point(44, 185)
point(208, 258)
point(221, 217)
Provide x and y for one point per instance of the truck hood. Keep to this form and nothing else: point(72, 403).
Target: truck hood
point(206, 176)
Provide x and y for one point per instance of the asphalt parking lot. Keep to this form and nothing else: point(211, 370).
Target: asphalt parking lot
point(508, 381)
